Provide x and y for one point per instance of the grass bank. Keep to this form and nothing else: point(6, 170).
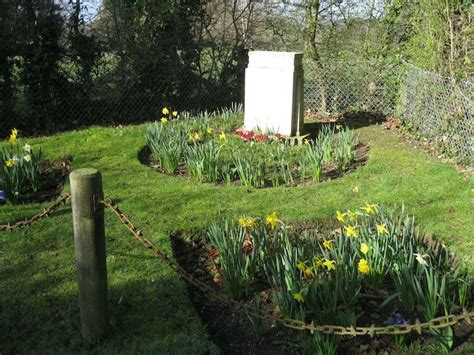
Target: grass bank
point(150, 308)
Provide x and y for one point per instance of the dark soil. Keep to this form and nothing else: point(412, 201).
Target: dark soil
point(234, 332)
point(228, 328)
point(53, 174)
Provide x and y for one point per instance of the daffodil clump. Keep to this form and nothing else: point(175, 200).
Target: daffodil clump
point(210, 149)
point(425, 278)
point(19, 170)
point(167, 115)
point(326, 277)
point(241, 248)
point(192, 144)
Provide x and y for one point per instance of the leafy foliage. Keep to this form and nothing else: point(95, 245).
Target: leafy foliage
point(19, 169)
point(326, 278)
point(204, 147)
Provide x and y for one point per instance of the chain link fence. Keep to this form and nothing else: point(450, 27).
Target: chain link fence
point(440, 109)
point(108, 100)
point(437, 107)
point(336, 87)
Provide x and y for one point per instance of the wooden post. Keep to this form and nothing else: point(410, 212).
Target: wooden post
point(89, 244)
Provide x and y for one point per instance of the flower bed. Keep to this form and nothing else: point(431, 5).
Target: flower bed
point(25, 176)
point(373, 268)
point(210, 149)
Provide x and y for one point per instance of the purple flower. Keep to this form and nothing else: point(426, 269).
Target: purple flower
point(396, 319)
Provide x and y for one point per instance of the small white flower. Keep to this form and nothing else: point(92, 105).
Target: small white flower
point(15, 159)
point(27, 158)
point(421, 258)
point(27, 148)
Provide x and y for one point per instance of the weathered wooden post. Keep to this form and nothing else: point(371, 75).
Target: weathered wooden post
point(89, 244)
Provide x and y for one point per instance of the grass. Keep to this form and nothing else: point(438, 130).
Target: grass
point(150, 308)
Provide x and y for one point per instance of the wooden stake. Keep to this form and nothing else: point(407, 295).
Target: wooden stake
point(89, 244)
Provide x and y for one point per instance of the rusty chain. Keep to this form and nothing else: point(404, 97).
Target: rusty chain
point(37, 217)
point(435, 323)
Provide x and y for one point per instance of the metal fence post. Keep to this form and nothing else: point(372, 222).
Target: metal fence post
point(89, 244)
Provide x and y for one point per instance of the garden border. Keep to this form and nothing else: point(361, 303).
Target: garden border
point(435, 323)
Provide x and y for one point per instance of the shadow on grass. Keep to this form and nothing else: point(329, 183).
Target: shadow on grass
point(352, 120)
point(61, 212)
point(39, 313)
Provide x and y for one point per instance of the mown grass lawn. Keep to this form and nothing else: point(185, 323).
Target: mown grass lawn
point(150, 308)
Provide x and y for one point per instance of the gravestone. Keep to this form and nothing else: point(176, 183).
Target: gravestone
point(274, 92)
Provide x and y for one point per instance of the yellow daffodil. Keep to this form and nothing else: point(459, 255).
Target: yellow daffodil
point(352, 215)
point(382, 229)
point(364, 248)
point(27, 158)
point(308, 272)
point(306, 141)
point(351, 231)
point(319, 262)
point(222, 136)
point(164, 120)
point(165, 111)
point(329, 264)
point(301, 266)
point(272, 219)
point(421, 258)
point(175, 113)
point(299, 297)
point(247, 222)
point(356, 189)
point(194, 137)
point(27, 148)
point(369, 209)
point(327, 244)
point(9, 163)
point(13, 136)
point(250, 222)
point(340, 217)
point(363, 266)
point(338, 127)
point(210, 130)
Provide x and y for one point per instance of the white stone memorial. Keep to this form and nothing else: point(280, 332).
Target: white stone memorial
point(274, 92)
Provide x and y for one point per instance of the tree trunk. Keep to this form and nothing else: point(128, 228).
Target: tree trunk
point(312, 8)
